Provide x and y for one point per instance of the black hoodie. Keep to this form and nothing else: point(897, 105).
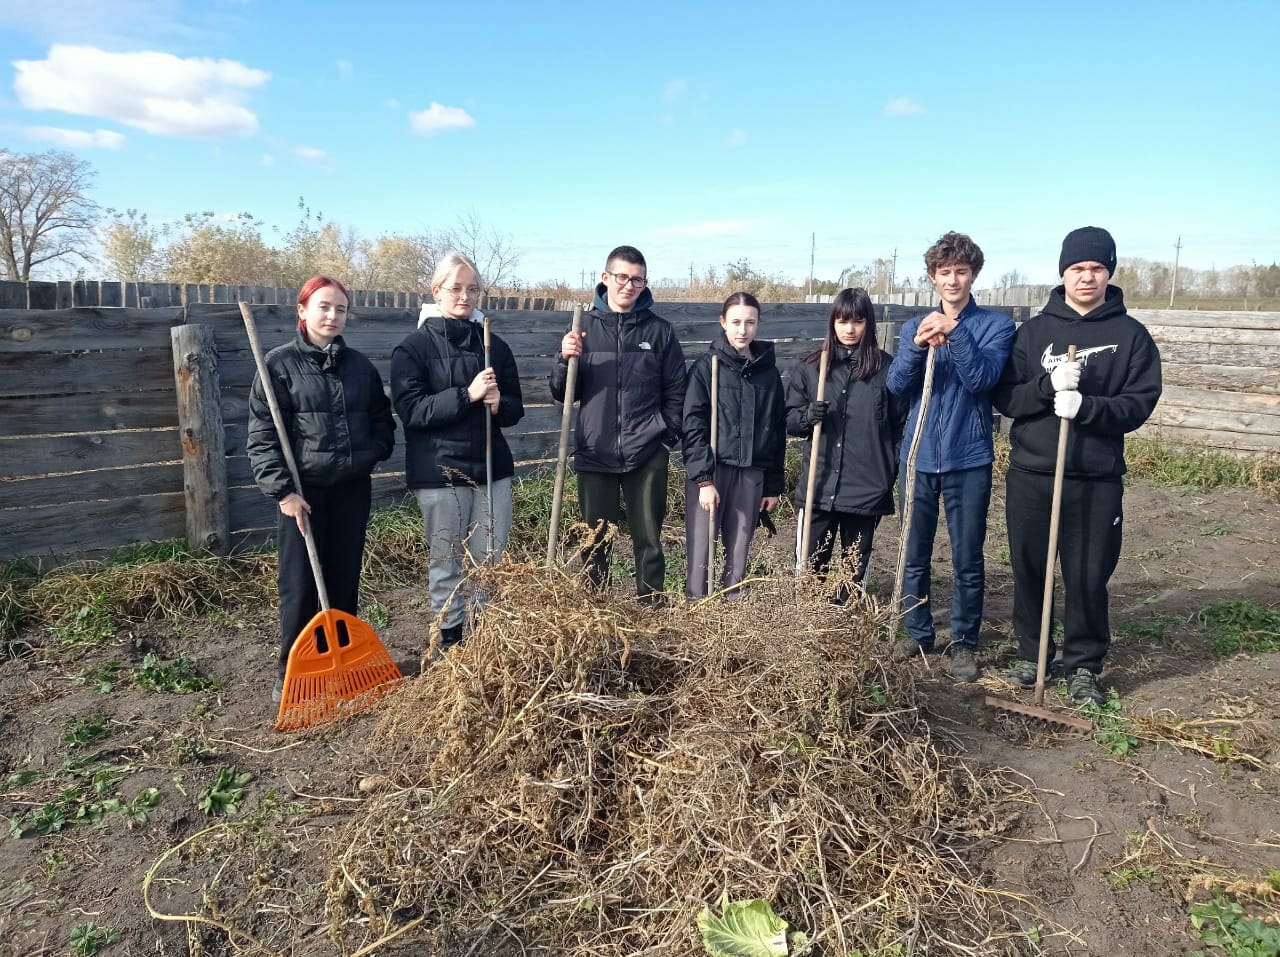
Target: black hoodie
point(631, 383)
point(1119, 383)
point(750, 418)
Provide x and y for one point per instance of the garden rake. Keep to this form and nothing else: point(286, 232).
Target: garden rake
point(337, 658)
point(1068, 723)
point(562, 455)
point(802, 557)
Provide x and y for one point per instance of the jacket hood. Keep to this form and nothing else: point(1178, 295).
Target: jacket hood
point(430, 310)
point(643, 302)
point(1112, 306)
point(762, 358)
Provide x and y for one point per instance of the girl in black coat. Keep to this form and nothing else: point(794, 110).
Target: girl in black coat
point(745, 475)
point(443, 390)
point(862, 424)
point(339, 423)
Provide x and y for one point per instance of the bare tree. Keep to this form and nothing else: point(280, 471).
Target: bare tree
point(45, 215)
point(489, 249)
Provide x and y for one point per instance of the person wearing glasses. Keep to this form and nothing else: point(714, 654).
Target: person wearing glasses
point(630, 386)
point(441, 389)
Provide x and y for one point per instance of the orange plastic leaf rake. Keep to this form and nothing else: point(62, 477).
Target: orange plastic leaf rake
point(337, 659)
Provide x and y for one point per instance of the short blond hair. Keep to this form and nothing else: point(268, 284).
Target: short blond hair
point(449, 264)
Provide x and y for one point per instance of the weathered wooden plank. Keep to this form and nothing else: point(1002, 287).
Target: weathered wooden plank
point(13, 294)
point(111, 294)
point(1234, 378)
point(1264, 338)
point(129, 297)
point(42, 295)
point(1259, 423)
point(1207, 319)
point(66, 295)
point(1239, 442)
point(74, 330)
point(1184, 353)
point(1220, 400)
point(43, 490)
point(38, 374)
point(90, 412)
point(87, 526)
point(195, 372)
point(39, 455)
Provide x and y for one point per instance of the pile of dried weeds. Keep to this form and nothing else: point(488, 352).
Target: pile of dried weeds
point(583, 776)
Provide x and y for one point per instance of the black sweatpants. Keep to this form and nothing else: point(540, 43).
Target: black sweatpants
point(339, 517)
point(643, 491)
point(857, 534)
point(1089, 535)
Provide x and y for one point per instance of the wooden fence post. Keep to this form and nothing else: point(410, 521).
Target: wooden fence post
point(204, 468)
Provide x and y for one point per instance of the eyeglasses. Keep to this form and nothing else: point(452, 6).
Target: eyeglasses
point(622, 279)
point(457, 291)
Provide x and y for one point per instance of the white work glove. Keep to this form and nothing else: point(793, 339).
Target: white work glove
point(1066, 404)
point(1066, 376)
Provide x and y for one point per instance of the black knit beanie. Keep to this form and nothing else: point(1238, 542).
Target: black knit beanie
point(1088, 244)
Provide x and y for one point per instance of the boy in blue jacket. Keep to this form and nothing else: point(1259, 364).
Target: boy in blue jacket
point(955, 454)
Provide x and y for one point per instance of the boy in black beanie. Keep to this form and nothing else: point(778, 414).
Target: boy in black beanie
point(1110, 389)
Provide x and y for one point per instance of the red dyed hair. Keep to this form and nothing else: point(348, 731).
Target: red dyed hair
point(313, 286)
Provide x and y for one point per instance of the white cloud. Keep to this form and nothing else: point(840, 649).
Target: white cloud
point(737, 139)
point(121, 23)
point(674, 89)
point(709, 228)
point(77, 139)
point(312, 154)
point(903, 106)
point(156, 92)
point(436, 118)
point(345, 68)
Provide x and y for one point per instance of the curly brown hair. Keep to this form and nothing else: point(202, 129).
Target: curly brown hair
point(951, 249)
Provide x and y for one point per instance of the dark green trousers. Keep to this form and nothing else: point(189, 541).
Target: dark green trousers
point(640, 495)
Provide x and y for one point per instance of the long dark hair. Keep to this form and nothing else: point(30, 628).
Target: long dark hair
point(740, 299)
point(854, 304)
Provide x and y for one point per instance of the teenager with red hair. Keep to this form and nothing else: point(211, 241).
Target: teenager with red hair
point(339, 422)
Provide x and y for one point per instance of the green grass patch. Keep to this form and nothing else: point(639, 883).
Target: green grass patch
point(178, 676)
point(1237, 625)
point(1223, 923)
point(1200, 468)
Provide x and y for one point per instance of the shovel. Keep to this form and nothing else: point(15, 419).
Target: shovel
point(337, 657)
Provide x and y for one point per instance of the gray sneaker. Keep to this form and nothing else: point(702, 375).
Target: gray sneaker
point(1083, 687)
point(278, 691)
point(906, 648)
point(964, 666)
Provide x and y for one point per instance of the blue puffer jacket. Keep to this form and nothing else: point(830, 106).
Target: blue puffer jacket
point(958, 428)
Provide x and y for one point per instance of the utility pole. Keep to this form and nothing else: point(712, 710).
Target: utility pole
point(893, 272)
point(583, 280)
point(813, 246)
point(691, 277)
point(1173, 287)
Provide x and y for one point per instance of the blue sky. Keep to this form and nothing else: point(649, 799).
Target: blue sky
point(702, 132)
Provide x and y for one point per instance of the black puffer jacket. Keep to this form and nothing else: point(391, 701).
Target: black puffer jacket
point(334, 409)
point(751, 415)
point(861, 435)
point(444, 429)
point(631, 383)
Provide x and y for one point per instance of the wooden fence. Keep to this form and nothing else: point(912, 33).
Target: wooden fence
point(91, 450)
point(83, 293)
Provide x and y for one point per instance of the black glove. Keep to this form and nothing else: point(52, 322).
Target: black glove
point(816, 412)
point(765, 521)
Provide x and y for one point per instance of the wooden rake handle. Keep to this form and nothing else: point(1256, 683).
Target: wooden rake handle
point(562, 455)
point(803, 558)
point(711, 512)
point(246, 313)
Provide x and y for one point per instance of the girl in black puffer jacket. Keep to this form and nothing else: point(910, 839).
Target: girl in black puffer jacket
point(744, 476)
point(340, 426)
point(862, 424)
point(442, 388)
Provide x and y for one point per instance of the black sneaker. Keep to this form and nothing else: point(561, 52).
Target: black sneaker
point(1083, 687)
point(1022, 673)
point(964, 666)
point(450, 637)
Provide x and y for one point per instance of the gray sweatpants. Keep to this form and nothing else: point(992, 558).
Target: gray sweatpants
point(740, 493)
point(456, 522)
